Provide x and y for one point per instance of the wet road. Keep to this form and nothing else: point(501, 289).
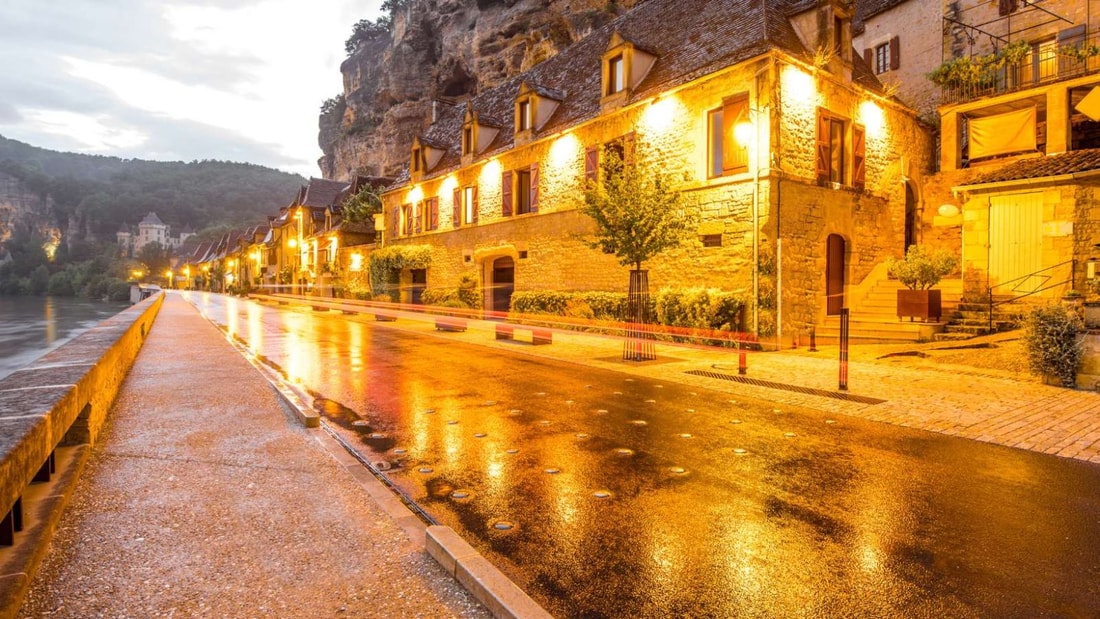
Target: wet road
point(606, 496)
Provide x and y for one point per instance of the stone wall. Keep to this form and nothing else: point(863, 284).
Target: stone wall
point(918, 26)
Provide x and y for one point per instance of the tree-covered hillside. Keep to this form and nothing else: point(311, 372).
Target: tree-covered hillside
point(103, 193)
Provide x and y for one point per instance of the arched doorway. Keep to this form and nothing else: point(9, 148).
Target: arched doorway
point(834, 274)
point(912, 221)
point(504, 277)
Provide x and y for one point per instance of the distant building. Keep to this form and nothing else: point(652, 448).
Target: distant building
point(151, 229)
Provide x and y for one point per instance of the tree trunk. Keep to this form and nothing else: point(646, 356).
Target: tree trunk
point(639, 338)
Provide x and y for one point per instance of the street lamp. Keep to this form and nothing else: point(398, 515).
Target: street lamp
point(168, 278)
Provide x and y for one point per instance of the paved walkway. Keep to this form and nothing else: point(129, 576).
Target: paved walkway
point(204, 498)
point(994, 406)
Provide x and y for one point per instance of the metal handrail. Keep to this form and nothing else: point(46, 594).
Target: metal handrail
point(1047, 285)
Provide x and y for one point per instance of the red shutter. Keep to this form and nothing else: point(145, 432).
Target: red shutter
point(591, 164)
point(433, 213)
point(534, 187)
point(457, 208)
point(859, 171)
point(628, 149)
point(868, 57)
point(895, 53)
point(417, 211)
point(821, 159)
point(506, 194)
point(396, 221)
point(475, 209)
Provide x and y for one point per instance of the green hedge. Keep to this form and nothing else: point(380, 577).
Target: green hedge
point(692, 308)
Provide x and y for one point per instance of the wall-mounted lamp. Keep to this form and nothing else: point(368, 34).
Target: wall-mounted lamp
point(948, 210)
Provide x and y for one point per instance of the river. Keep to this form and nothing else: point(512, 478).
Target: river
point(32, 326)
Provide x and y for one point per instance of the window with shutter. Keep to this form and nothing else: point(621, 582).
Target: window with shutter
point(456, 217)
point(859, 171)
point(475, 208)
point(433, 213)
point(395, 227)
point(895, 53)
point(506, 194)
point(535, 187)
point(417, 213)
point(821, 156)
point(523, 192)
point(735, 156)
point(591, 164)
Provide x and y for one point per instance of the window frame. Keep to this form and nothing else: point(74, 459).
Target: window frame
point(720, 138)
point(881, 58)
point(616, 74)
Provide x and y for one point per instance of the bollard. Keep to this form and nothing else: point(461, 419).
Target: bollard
point(742, 365)
point(844, 349)
point(813, 338)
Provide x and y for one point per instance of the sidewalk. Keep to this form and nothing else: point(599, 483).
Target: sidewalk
point(986, 405)
point(204, 498)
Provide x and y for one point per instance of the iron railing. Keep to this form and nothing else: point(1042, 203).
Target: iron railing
point(1044, 277)
point(1044, 65)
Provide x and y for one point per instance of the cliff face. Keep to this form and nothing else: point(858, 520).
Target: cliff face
point(23, 210)
point(441, 49)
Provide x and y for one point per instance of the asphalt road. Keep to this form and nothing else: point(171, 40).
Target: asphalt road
point(602, 495)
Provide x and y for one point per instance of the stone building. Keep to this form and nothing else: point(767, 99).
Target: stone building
point(801, 173)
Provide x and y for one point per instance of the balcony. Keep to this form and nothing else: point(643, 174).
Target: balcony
point(966, 79)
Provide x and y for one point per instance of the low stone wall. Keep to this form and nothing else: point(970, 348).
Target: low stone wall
point(1088, 375)
point(63, 397)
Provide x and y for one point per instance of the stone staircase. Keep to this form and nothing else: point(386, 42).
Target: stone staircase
point(971, 319)
point(873, 313)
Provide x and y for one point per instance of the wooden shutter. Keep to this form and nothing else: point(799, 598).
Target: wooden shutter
point(475, 207)
point(417, 211)
point(534, 187)
point(506, 194)
point(591, 164)
point(735, 157)
point(433, 213)
point(895, 53)
point(869, 58)
point(1006, 7)
point(821, 158)
point(628, 150)
point(396, 221)
point(859, 171)
point(458, 208)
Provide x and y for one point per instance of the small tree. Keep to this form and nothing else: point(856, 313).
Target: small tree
point(638, 215)
point(363, 206)
point(922, 269)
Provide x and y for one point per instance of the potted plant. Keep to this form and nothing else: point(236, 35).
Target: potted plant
point(919, 271)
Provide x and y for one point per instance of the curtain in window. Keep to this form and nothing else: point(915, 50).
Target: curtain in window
point(1011, 132)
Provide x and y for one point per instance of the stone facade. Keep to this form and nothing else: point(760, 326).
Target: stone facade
point(917, 26)
point(794, 215)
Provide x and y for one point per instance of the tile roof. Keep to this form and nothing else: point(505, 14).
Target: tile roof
point(152, 220)
point(866, 9)
point(1073, 162)
point(322, 192)
point(691, 39)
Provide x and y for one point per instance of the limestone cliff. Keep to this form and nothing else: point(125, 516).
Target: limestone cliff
point(23, 210)
point(440, 49)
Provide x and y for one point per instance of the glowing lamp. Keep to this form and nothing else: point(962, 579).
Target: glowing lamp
point(948, 210)
point(742, 132)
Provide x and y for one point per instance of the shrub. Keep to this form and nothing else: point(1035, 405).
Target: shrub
point(922, 269)
point(468, 292)
point(1054, 342)
point(436, 296)
point(60, 285)
point(118, 290)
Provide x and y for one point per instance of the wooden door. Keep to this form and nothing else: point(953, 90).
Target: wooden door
point(1015, 242)
point(834, 274)
point(504, 277)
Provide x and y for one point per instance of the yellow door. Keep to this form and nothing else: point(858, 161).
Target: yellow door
point(1015, 242)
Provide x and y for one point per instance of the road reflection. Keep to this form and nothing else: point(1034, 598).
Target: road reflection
point(605, 496)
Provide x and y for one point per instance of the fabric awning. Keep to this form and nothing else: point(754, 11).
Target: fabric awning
point(1011, 132)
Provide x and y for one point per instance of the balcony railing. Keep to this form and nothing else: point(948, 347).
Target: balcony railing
point(1045, 64)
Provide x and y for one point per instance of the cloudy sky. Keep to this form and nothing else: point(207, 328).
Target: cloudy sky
point(238, 80)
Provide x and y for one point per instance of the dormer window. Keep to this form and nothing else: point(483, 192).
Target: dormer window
point(535, 105)
point(624, 67)
point(478, 132)
point(615, 79)
point(417, 160)
point(426, 154)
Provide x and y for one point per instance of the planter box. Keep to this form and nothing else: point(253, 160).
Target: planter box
point(1092, 315)
point(923, 304)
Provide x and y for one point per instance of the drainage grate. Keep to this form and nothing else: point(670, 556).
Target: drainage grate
point(785, 387)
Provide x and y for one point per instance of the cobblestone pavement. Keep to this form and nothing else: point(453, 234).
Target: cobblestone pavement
point(204, 498)
point(976, 390)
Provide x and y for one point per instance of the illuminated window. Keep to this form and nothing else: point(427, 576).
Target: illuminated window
point(406, 219)
point(840, 144)
point(728, 151)
point(616, 80)
point(469, 205)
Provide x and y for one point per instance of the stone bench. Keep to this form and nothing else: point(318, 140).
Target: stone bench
point(539, 335)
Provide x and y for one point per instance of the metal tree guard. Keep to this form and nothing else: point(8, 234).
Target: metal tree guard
point(639, 338)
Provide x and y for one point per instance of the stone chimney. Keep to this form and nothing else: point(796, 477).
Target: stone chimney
point(834, 36)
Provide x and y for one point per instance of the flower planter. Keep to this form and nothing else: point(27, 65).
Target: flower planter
point(1092, 314)
point(923, 304)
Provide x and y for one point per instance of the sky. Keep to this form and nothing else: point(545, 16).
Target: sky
point(174, 80)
